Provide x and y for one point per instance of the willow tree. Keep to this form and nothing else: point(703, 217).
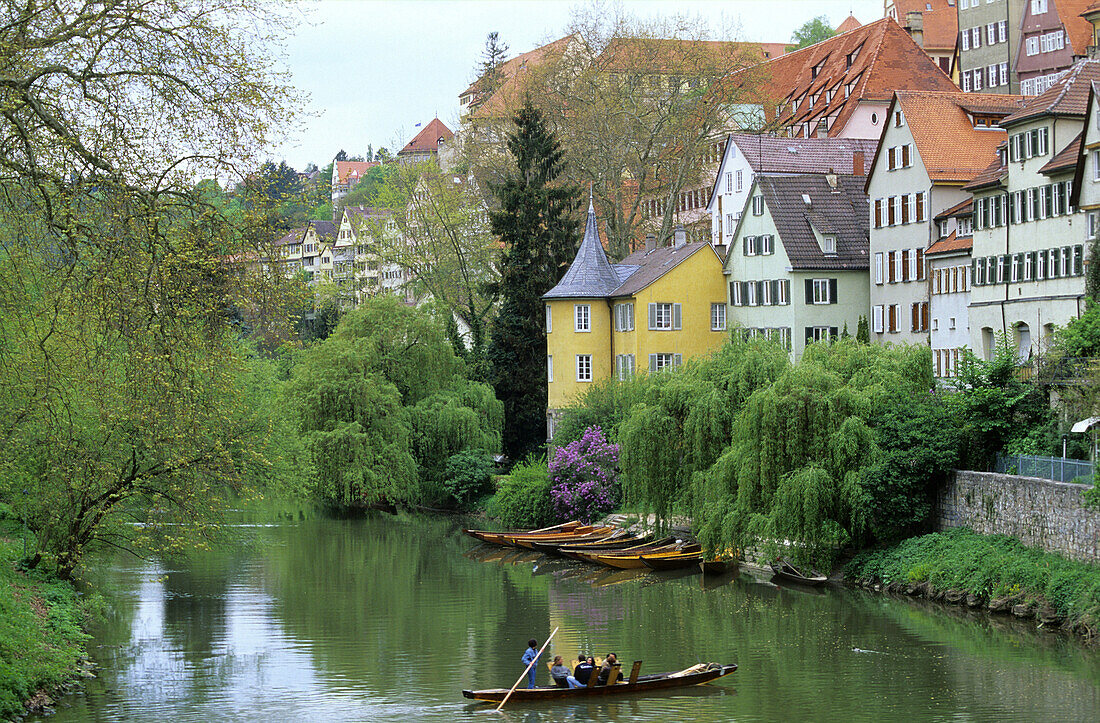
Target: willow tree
point(682, 423)
point(800, 447)
point(116, 355)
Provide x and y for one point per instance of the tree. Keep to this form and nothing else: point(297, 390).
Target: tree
point(862, 334)
point(535, 225)
point(638, 107)
point(492, 57)
point(437, 230)
point(813, 31)
point(119, 368)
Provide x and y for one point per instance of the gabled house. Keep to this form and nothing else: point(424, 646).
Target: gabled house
point(1028, 252)
point(933, 144)
point(933, 25)
point(429, 144)
point(345, 174)
point(1054, 35)
point(798, 271)
point(989, 41)
point(746, 156)
point(949, 286)
point(1086, 179)
point(658, 307)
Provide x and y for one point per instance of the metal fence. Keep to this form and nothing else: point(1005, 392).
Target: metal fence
point(1053, 468)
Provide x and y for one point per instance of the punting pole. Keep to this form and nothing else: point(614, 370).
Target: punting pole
point(524, 673)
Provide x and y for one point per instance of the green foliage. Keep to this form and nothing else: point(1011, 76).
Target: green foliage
point(540, 238)
point(1080, 337)
point(989, 566)
point(468, 475)
point(605, 403)
point(862, 331)
point(813, 31)
point(522, 499)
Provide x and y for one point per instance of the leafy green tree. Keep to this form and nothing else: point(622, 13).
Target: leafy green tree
point(813, 31)
point(468, 475)
point(534, 222)
point(863, 335)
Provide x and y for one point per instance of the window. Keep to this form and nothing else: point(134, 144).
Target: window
point(757, 205)
point(1004, 73)
point(664, 316)
point(878, 267)
point(965, 41)
point(717, 317)
point(549, 320)
point(549, 367)
point(993, 77)
point(990, 33)
point(977, 82)
point(751, 297)
point(735, 293)
point(624, 317)
point(729, 182)
point(584, 367)
point(817, 334)
point(582, 317)
point(1038, 7)
point(731, 224)
point(1031, 45)
point(976, 38)
point(738, 185)
point(821, 291)
point(876, 319)
point(657, 362)
point(894, 314)
point(624, 366)
point(829, 244)
point(1002, 31)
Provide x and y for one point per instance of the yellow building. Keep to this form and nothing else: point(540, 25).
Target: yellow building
point(652, 311)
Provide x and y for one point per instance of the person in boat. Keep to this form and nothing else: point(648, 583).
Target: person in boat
point(561, 674)
point(605, 670)
point(530, 657)
point(586, 666)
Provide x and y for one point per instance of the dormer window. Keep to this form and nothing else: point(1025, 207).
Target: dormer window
point(817, 69)
point(853, 55)
point(828, 244)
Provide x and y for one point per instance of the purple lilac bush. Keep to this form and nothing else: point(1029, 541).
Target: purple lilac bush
point(584, 477)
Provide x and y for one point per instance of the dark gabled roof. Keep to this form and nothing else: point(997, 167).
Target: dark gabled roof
point(1066, 159)
point(324, 229)
point(993, 174)
point(842, 212)
point(962, 208)
point(591, 274)
point(293, 236)
point(646, 267)
point(1068, 96)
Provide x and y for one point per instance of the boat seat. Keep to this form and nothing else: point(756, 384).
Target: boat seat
point(634, 671)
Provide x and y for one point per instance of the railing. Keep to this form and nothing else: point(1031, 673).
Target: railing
point(1052, 468)
point(1071, 370)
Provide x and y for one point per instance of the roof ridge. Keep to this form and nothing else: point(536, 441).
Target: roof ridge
point(827, 40)
point(869, 70)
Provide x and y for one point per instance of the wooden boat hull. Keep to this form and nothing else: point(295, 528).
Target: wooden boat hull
point(783, 573)
point(578, 552)
point(644, 683)
point(633, 562)
point(493, 537)
point(714, 567)
point(550, 547)
point(672, 562)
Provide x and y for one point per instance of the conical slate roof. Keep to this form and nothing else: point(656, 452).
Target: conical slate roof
point(590, 275)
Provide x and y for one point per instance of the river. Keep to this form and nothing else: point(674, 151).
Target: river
point(389, 618)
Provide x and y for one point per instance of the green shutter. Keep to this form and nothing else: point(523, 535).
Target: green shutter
point(676, 316)
point(832, 291)
point(652, 316)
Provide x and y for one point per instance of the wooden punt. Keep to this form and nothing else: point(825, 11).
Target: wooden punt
point(631, 562)
point(715, 567)
point(551, 546)
point(696, 675)
point(484, 535)
point(581, 533)
point(786, 571)
point(577, 552)
point(673, 562)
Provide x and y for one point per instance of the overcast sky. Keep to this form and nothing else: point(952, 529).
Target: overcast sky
point(374, 69)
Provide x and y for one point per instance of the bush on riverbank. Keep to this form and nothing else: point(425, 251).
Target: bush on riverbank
point(41, 628)
point(523, 498)
point(993, 568)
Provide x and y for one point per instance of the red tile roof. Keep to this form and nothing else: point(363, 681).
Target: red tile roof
point(1068, 96)
point(941, 23)
point(357, 169)
point(875, 60)
point(993, 174)
point(427, 140)
point(1066, 159)
point(1078, 30)
point(962, 208)
point(950, 244)
point(850, 23)
point(952, 149)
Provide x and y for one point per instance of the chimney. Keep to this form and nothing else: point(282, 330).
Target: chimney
point(914, 23)
point(679, 236)
point(650, 242)
point(857, 163)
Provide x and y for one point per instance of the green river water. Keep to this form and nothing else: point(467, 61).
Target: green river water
point(389, 618)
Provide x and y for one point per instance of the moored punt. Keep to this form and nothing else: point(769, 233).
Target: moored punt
point(492, 537)
point(695, 675)
point(786, 571)
point(580, 533)
point(715, 567)
point(598, 540)
point(630, 562)
point(578, 551)
point(673, 562)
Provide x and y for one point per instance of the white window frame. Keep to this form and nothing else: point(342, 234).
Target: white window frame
point(739, 185)
point(878, 268)
point(624, 366)
point(718, 317)
point(821, 291)
point(757, 205)
point(549, 367)
point(877, 316)
point(584, 367)
point(549, 319)
point(582, 318)
point(1002, 31)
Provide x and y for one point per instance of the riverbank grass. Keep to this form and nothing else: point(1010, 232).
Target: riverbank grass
point(42, 638)
point(998, 571)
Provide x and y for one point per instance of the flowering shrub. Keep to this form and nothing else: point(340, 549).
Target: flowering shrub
point(584, 477)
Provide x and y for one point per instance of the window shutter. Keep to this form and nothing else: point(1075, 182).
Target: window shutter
point(905, 156)
point(652, 316)
point(618, 318)
point(809, 335)
point(924, 316)
point(677, 359)
point(905, 265)
point(809, 291)
point(745, 245)
point(905, 208)
point(733, 294)
point(920, 265)
point(774, 292)
point(786, 291)
point(549, 319)
point(878, 213)
point(832, 291)
point(675, 316)
point(652, 362)
point(914, 314)
point(834, 332)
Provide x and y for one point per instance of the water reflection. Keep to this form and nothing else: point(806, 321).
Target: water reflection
point(392, 617)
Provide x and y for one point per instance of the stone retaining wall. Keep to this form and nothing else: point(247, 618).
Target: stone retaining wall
point(1041, 513)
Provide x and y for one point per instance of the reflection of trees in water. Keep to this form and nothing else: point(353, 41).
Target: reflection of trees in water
point(195, 609)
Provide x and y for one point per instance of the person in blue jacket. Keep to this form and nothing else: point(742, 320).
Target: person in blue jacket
point(529, 655)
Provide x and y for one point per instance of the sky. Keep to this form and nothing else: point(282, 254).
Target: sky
point(375, 69)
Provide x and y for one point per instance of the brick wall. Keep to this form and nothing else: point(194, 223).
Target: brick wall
point(1041, 513)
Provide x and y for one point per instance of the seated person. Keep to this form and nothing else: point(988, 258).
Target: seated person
point(584, 670)
point(560, 673)
point(605, 670)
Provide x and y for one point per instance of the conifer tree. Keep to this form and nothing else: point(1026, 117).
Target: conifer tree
point(536, 224)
